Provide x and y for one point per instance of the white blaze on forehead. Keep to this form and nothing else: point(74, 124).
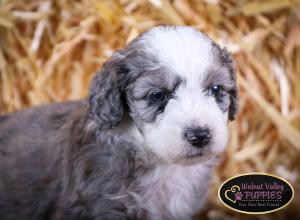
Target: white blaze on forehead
point(184, 50)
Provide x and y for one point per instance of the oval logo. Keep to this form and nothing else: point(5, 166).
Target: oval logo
point(256, 193)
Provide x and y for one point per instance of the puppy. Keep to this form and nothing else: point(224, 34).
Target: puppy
point(141, 146)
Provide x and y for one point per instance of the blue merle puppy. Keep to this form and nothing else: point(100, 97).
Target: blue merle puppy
point(141, 146)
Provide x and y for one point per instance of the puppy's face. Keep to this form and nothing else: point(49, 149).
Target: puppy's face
point(179, 89)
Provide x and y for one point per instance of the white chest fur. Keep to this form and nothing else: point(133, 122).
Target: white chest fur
point(176, 192)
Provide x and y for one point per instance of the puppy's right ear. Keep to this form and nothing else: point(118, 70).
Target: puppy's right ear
point(105, 101)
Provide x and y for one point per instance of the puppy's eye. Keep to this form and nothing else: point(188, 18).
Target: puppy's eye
point(158, 97)
point(216, 90)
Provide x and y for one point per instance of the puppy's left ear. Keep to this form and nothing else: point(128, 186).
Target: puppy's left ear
point(105, 94)
point(234, 102)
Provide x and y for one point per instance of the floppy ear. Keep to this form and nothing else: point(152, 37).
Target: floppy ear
point(105, 94)
point(234, 103)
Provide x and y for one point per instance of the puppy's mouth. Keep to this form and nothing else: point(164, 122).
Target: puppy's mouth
point(193, 152)
point(194, 155)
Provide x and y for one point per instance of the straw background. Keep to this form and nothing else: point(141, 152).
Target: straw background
point(49, 50)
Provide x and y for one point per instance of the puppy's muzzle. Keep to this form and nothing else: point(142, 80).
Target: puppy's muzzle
point(197, 136)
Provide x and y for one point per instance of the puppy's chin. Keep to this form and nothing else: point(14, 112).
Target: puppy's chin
point(193, 160)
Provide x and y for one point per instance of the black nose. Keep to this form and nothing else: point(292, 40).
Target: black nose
point(198, 137)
